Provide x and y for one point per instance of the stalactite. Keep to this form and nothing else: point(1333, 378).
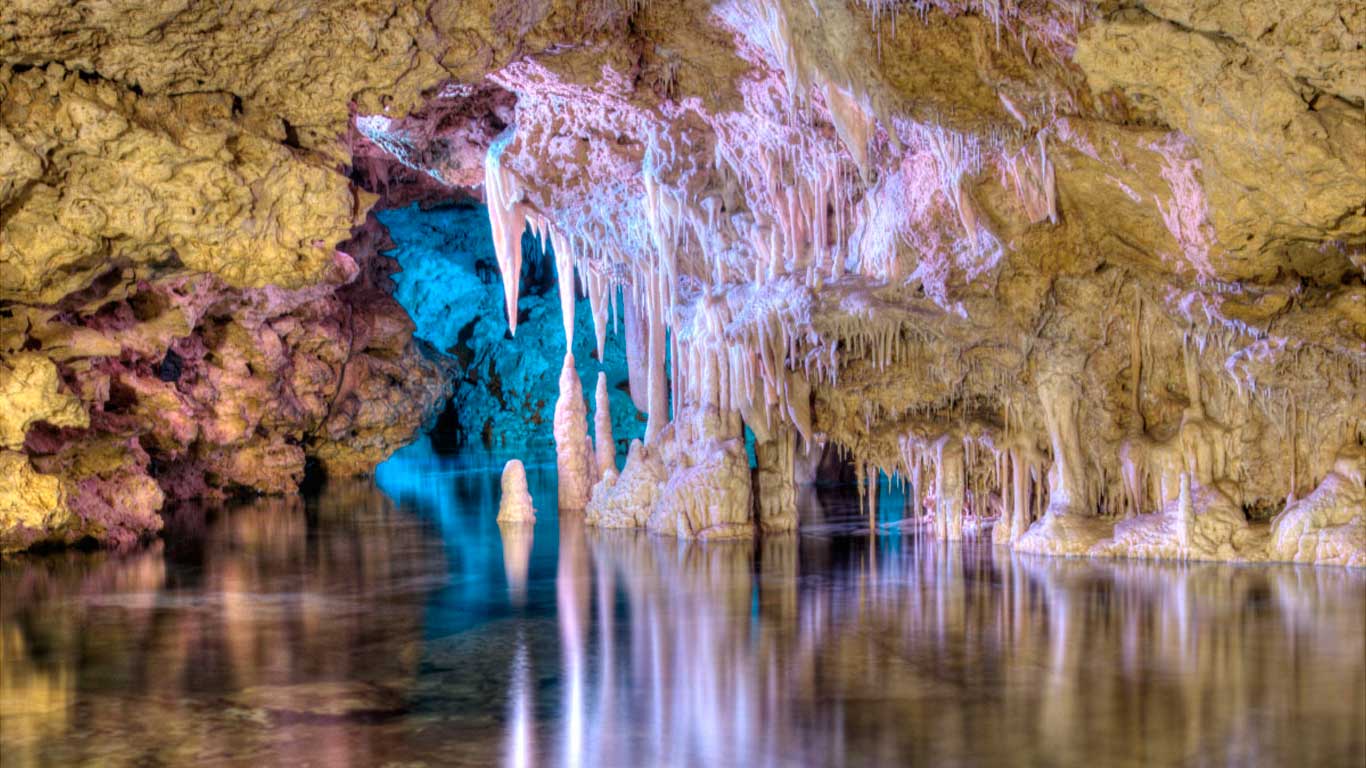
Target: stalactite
point(507, 217)
point(564, 277)
point(598, 287)
point(637, 352)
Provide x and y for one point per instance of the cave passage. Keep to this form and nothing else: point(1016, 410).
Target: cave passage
point(505, 387)
point(638, 383)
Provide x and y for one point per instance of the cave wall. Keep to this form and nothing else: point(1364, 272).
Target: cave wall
point(192, 302)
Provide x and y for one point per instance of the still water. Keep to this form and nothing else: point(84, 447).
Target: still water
point(392, 623)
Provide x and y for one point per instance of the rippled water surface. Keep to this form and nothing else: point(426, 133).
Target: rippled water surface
point(394, 624)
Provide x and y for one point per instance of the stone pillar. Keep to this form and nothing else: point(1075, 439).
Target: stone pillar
point(775, 491)
point(1019, 493)
point(604, 446)
point(1067, 488)
point(948, 488)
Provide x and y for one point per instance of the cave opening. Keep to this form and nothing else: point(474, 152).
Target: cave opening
point(505, 386)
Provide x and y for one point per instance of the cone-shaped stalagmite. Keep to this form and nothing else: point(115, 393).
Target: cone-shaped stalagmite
point(603, 445)
point(515, 506)
point(573, 458)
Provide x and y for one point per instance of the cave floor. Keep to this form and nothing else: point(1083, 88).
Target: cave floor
point(392, 622)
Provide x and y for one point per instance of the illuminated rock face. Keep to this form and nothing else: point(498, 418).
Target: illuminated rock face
point(1015, 253)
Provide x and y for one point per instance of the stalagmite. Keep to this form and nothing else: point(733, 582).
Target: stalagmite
point(605, 448)
point(594, 473)
point(1068, 491)
point(573, 452)
point(1328, 525)
point(515, 506)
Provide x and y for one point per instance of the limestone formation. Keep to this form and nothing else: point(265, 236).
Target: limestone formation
point(573, 449)
point(775, 489)
point(625, 500)
point(515, 505)
point(604, 447)
point(182, 386)
point(1049, 264)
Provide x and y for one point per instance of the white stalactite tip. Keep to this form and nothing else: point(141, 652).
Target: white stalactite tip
point(507, 219)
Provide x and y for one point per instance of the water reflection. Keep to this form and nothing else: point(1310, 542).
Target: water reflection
point(355, 631)
point(263, 633)
point(891, 651)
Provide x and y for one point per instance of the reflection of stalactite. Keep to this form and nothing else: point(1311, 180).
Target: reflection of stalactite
point(519, 751)
point(572, 600)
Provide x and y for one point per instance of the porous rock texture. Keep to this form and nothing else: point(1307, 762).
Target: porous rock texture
point(1064, 264)
point(191, 304)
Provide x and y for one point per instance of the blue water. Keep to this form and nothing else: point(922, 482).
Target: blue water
point(393, 623)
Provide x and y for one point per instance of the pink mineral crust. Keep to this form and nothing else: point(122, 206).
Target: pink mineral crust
point(427, 155)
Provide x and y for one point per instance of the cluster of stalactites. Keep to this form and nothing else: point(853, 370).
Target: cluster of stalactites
point(968, 473)
point(780, 204)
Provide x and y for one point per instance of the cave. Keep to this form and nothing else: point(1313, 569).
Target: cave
point(683, 382)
